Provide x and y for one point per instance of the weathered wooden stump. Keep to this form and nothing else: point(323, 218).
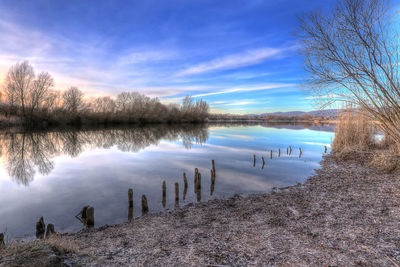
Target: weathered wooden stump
point(263, 162)
point(287, 151)
point(185, 187)
point(83, 213)
point(164, 193)
point(290, 150)
point(40, 228)
point(254, 160)
point(145, 206)
point(279, 152)
point(90, 216)
point(301, 152)
point(50, 230)
point(196, 173)
point(130, 197)
point(213, 166)
point(130, 214)
point(176, 193)
point(198, 187)
point(2, 241)
point(271, 154)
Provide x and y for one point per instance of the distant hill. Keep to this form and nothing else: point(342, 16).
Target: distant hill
point(322, 113)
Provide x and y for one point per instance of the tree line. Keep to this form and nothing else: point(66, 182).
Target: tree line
point(32, 99)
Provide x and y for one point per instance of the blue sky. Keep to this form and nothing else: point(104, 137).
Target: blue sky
point(240, 56)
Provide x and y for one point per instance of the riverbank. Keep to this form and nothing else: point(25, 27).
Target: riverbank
point(346, 214)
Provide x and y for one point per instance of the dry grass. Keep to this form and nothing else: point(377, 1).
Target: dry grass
point(354, 133)
point(355, 140)
point(385, 161)
point(48, 252)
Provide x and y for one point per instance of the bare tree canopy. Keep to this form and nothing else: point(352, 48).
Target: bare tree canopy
point(352, 55)
point(73, 101)
point(18, 83)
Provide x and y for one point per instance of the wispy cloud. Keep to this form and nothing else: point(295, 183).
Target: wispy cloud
point(247, 89)
point(246, 58)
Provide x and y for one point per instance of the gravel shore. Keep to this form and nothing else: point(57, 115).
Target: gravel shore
point(347, 214)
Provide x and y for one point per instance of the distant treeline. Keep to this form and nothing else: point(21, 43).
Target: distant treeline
point(31, 100)
point(272, 118)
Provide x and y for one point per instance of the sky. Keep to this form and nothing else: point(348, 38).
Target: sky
point(239, 56)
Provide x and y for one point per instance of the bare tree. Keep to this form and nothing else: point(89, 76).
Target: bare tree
point(40, 91)
point(73, 101)
point(352, 55)
point(18, 83)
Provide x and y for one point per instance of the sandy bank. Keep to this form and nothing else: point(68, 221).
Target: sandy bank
point(346, 214)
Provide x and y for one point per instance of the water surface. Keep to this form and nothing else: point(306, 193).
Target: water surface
point(55, 173)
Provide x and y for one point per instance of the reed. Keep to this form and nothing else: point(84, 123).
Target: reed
point(353, 132)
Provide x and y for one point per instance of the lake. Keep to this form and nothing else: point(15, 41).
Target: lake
point(55, 174)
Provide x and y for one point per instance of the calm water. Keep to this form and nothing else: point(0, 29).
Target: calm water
point(54, 174)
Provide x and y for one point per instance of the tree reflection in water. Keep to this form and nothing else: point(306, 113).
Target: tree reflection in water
point(26, 153)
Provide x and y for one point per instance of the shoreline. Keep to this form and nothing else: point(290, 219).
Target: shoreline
point(345, 214)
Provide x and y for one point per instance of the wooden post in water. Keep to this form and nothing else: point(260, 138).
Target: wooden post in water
point(290, 150)
point(130, 197)
point(279, 152)
point(254, 161)
point(196, 173)
point(185, 186)
point(271, 153)
point(50, 230)
point(213, 166)
point(145, 206)
point(164, 193)
point(287, 151)
point(40, 228)
point(198, 187)
point(263, 161)
point(90, 216)
point(130, 214)
point(2, 241)
point(301, 152)
point(176, 194)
